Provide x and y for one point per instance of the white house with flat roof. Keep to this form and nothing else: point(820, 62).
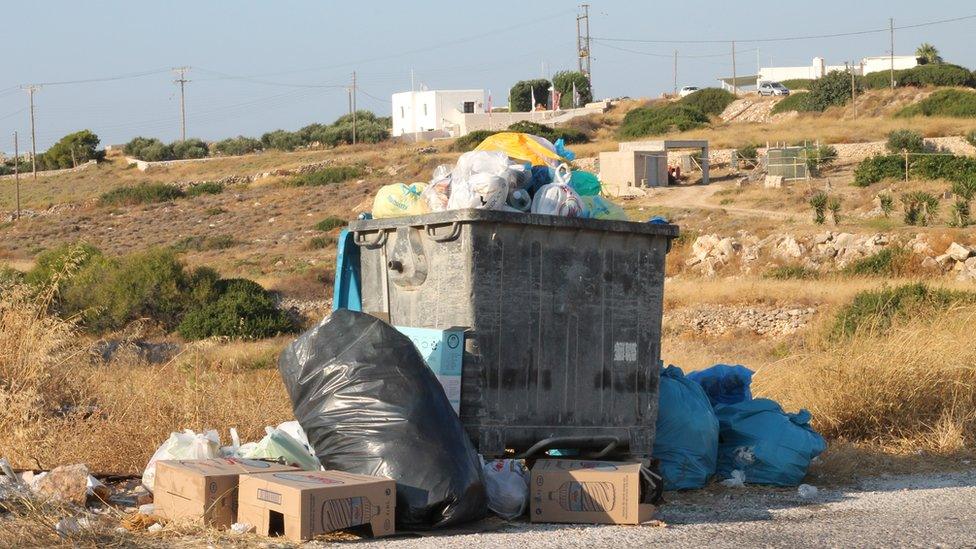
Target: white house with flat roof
point(437, 111)
point(818, 68)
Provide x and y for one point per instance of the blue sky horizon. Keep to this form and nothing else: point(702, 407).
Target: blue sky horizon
point(259, 66)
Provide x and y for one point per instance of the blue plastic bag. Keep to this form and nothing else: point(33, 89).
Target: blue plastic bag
point(686, 436)
point(768, 445)
point(724, 384)
point(562, 151)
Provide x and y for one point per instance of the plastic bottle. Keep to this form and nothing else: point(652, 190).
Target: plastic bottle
point(520, 200)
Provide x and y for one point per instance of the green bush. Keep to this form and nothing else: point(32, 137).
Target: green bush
point(236, 146)
point(797, 83)
point(878, 168)
point(144, 193)
point(876, 311)
point(568, 135)
point(940, 74)
point(711, 101)
point(819, 204)
point(70, 151)
point(819, 157)
point(60, 261)
point(798, 102)
point(282, 140)
point(242, 309)
point(207, 187)
point(920, 207)
point(369, 129)
point(327, 176)
point(320, 242)
point(749, 152)
point(971, 137)
point(189, 149)
point(905, 140)
point(834, 88)
point(886, 262)
point(201, 243)
point(791, 272)
point(468, 142)
point(948, 167)
point(330, 223)
point(661, 119)
point(954, 103)
point(520, 96)
point(563, 82)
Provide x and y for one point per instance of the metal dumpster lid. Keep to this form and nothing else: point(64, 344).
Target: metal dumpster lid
point(519, 218)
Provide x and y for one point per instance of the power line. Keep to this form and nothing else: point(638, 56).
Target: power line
point(670, 55)
point(15, 113)
point(790, 38)
point(103, 79)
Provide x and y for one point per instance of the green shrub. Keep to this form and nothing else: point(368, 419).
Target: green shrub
point(819, 204)
point(661, 119)
point(876, 311)
point(236, 146)
point(791, 272)
point(282, 140)
point(144, 193)
point(971, 137)
point(886, 262)
point(568, 135)
point(59, 261)
point(905, 140)
point(819, 157)
point(71, 150)
point(940, 74)
point(327, 176)
point(189, 149)
point(369, 129)
point(330, 223)
point(920, 207)
point(208, 187)
point(878, 168)
point(948, 167)
point(563, 82)
point(711, 101)
point(749, 152)
point(834, 88)
point(954, 103)
point(202, 243)
point(798, 102)
point(320, 242)
point(797, 83)
point(887, 204)
point(520, 95)
point(468, 142)
point(834, 204)
point(242, 309)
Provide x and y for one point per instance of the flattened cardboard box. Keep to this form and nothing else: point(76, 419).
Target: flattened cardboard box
point(301, 505)
point(591, 492)
point(204, 488)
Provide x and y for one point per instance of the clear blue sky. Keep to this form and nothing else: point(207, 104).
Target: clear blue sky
point(285, 43)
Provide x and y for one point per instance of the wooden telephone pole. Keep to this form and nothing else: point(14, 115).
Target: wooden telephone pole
point(182, 82)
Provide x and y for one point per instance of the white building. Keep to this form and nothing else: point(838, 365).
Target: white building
point(434, 111)
point(817, 68)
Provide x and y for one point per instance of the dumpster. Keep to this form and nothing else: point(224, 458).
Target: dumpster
point(562, 319)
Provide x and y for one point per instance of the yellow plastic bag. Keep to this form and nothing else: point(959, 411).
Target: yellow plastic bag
point(522, 146)
point(601, 208)
point(398, 200)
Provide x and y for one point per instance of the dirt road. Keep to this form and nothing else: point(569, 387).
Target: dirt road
point(703, 197)
point(898, 511)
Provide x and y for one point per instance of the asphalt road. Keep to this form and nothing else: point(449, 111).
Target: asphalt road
point(932, 510)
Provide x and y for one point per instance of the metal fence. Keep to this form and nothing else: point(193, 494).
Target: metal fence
point(789, 162)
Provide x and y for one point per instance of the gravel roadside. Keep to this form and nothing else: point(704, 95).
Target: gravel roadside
point(931, 510)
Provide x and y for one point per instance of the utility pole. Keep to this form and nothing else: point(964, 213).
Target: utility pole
point(353, 107)
point(583, 44)
point(412, 88)
point(30, 98)
point(891, 31)
point(17, 172)
point(675, 73)
point(735, 85)
point(853, 91)
point(182, 82)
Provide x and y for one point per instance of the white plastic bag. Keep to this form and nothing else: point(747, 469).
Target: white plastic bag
point(558, 199)
point(185, 445)
point(485, 162)
point(279, 445)
point(507, 485)
point(438, 191)
point(483, 191)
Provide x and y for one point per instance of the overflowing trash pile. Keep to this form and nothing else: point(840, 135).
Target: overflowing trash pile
point(508, 171)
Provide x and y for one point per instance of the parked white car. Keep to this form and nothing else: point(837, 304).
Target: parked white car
point(773, 88)
point(687, 90)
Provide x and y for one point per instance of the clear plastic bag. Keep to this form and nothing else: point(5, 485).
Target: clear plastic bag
point(185, 445)
point(507, 485)
point(481, 190)
point(558, 199)
point(438, 191)
point(278, 445)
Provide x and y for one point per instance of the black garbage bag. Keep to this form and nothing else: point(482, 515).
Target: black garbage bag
point(370, 405)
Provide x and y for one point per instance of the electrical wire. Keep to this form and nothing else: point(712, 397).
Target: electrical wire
point(104, 79)
point(15, 113)
point(671, 55)
point(789, 38)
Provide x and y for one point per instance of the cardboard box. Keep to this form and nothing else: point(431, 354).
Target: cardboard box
point(301, 505)
point(204, 488)
point(579, 491)
point(443, 350)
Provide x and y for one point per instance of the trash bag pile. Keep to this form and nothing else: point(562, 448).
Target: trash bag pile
point(508, 171)
point(709, 423)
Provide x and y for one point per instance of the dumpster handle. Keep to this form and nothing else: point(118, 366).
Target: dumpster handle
point(360, 239)
point(609, 444)
point(455, 231)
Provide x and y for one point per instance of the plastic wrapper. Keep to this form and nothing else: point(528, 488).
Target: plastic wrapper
point(278, 445)
point(686, 433)
point(601, 208)
point(558, 199)
point(399, 200)
point(370, 405)
point(185, 445)
point(438, 191)
point(522, 146)
point(507, 483)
